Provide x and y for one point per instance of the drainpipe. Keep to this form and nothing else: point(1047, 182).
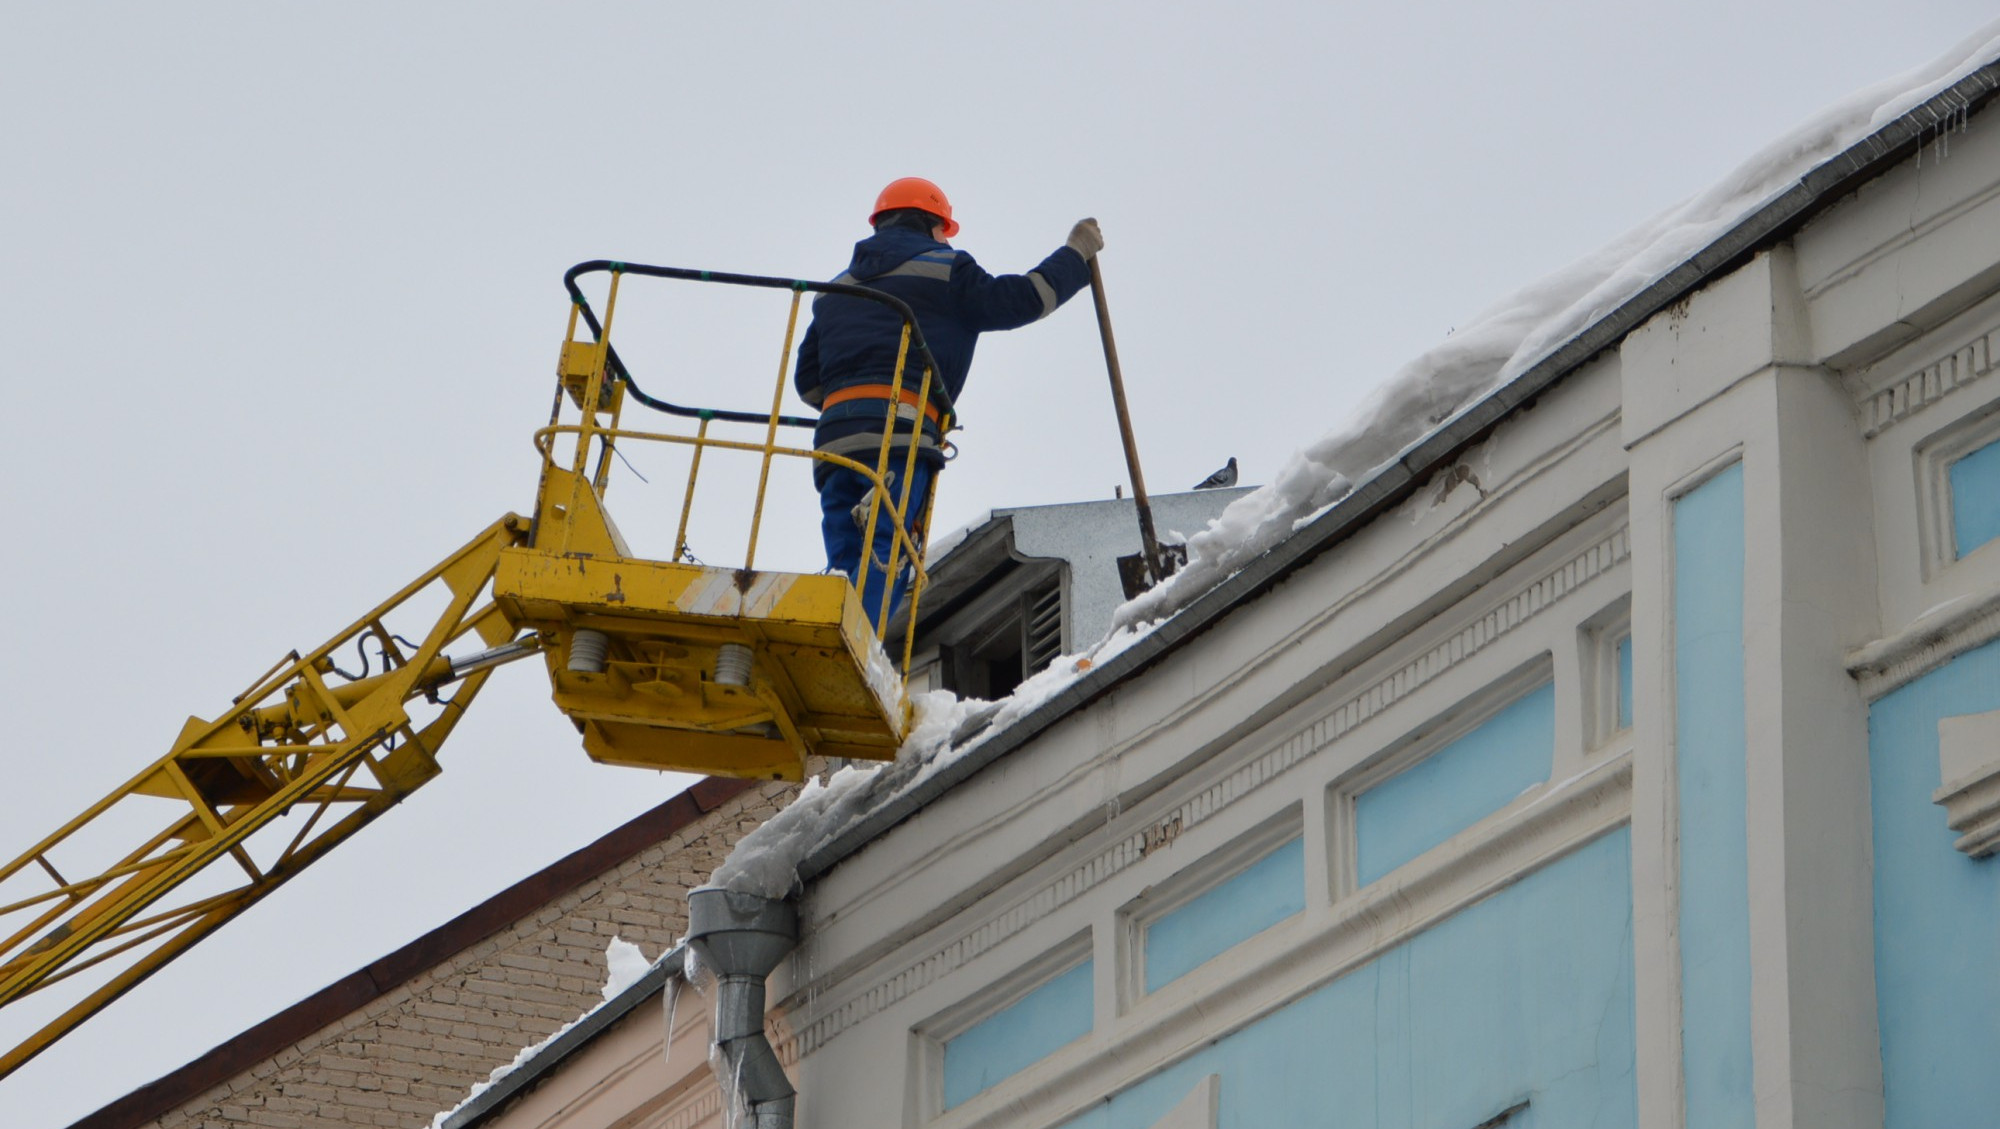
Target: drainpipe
point(741, 938)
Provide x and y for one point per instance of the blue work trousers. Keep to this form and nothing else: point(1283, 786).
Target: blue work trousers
point(839, 494)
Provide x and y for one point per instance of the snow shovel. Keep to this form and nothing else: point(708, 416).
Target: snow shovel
point(1143, 570)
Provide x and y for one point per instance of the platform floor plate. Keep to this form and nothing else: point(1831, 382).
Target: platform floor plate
point(815, 687)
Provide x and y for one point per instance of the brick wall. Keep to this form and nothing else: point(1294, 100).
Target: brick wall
point(434, 1022)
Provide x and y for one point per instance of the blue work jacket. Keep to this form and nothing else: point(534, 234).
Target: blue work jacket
point(853, 341)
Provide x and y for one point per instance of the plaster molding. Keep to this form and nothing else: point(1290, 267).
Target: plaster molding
point(1907, 236)
point(1911, 393)
point(1969, 765)
point(1526, 602)
point(1932, 640)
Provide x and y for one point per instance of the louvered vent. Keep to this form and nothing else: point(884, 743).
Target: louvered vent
point(1043, 639)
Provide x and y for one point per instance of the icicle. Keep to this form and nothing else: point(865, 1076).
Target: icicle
point(673, 1003)
point(737, 1105)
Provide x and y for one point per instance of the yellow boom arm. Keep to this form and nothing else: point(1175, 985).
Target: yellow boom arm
point(304, 758)
point(663, 664)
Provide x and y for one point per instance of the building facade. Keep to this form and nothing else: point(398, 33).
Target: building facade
point(1625, 754)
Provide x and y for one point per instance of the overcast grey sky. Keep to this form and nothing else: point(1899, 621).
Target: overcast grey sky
point(281, 293)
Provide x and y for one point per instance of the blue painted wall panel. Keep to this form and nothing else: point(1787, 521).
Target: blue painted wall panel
point(1975, 498)
point(1526, 994)
point(1455, 787)
point(1937, 912)
point(1710, 761)
point(1050, 1017)
point(1266, 892)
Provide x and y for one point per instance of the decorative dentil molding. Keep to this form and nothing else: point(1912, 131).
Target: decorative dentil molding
point(1907, 396)
point(1530, 600)
point(1969, 765)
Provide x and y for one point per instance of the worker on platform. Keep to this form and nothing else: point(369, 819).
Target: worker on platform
point(848, 360)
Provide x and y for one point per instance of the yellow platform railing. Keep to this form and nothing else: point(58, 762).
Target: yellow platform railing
point(593, 374)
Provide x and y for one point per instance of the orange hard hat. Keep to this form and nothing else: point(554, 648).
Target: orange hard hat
point(916, 192)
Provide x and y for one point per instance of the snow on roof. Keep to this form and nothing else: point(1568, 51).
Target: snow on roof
point(1509, 337)
point(1422, 399)
point(628, 978)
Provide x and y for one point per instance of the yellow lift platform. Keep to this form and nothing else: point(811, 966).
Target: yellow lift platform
point(727, 671)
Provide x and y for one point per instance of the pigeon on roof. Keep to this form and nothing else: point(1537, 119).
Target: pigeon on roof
point(1221, 478)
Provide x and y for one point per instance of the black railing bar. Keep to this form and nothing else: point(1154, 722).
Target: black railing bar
point(919, 347)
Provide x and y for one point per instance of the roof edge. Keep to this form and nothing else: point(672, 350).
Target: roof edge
point(591, 1024)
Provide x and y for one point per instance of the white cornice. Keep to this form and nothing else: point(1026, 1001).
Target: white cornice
point(1969, 765)
point(1934, 639)
point(1909, 394)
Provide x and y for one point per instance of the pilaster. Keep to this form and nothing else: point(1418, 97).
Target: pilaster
point(1721, 380)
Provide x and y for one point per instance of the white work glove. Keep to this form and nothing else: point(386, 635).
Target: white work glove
point(1085, 239)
